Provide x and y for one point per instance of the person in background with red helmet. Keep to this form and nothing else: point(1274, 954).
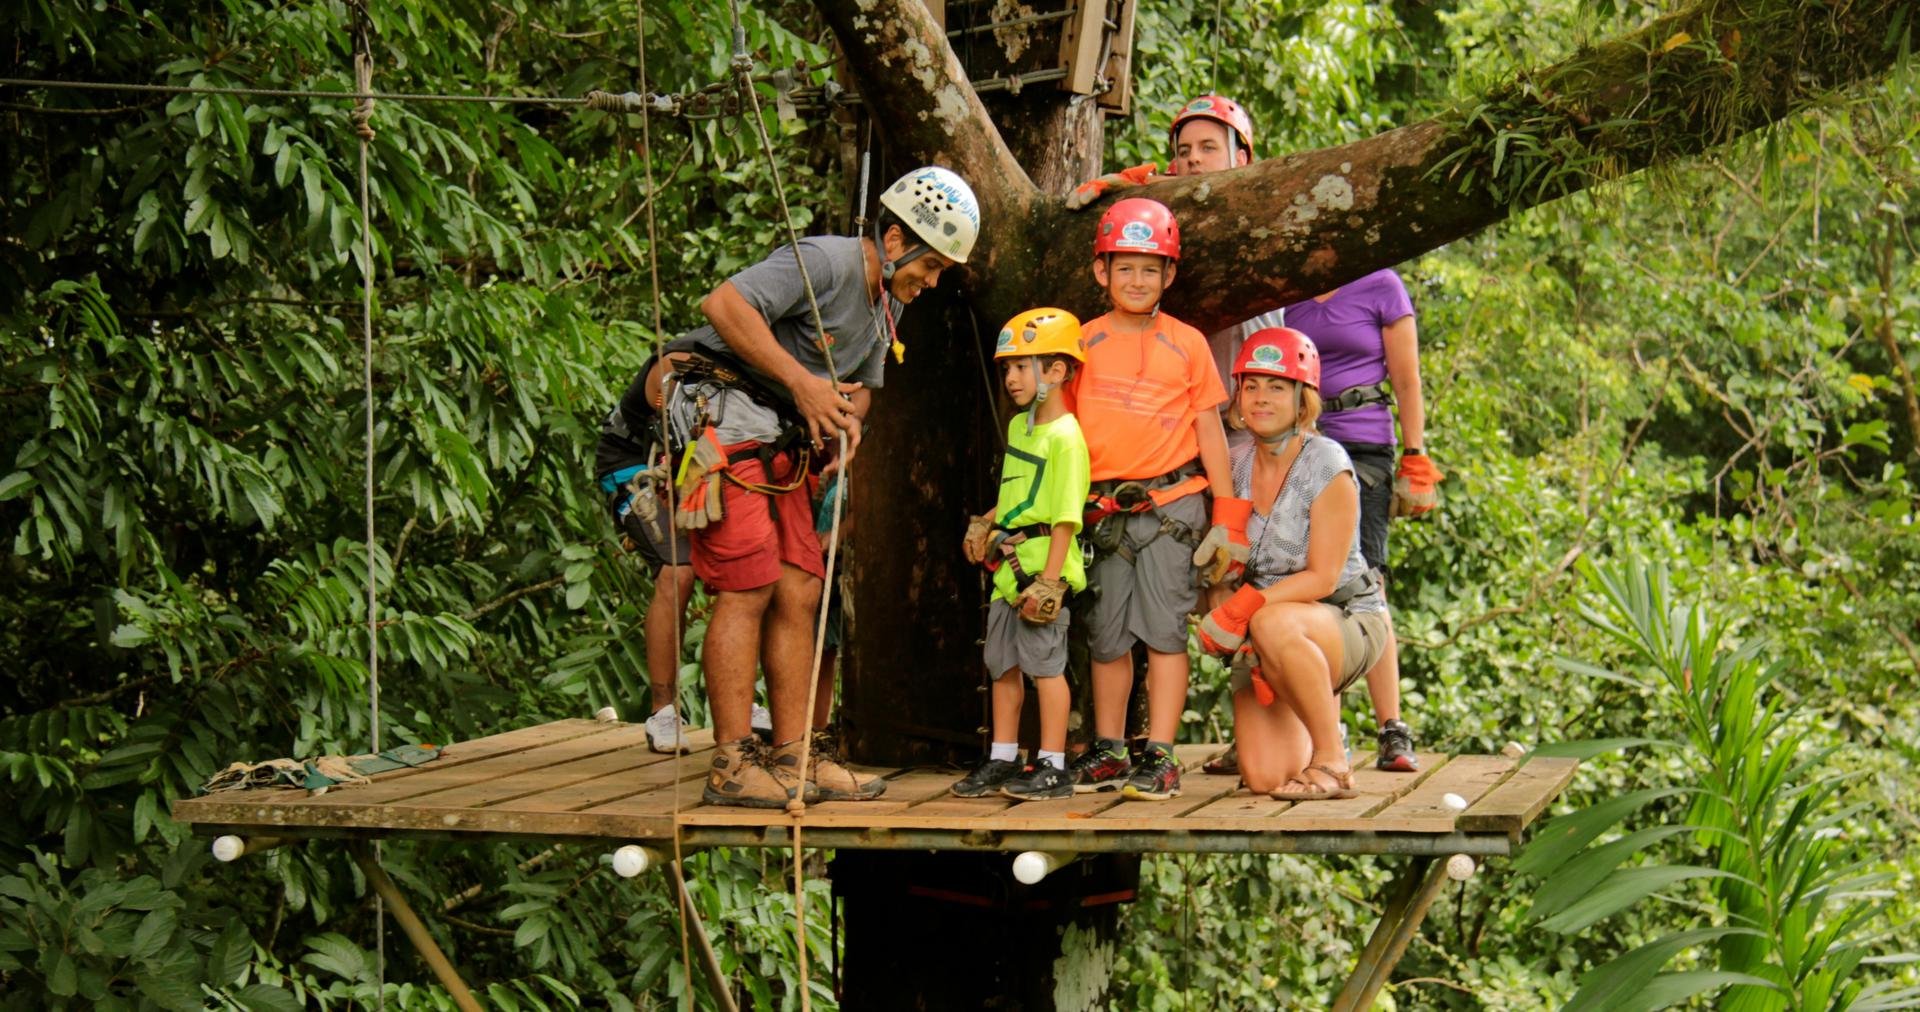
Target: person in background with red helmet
point(1148, 401)
point(1309, 618)
point(1209, 134)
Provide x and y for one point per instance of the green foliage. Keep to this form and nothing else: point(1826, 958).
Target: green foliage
point(1763, 831)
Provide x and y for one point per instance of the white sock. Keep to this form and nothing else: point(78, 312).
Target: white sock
point(1005, 751)
point(665, 709)
point(1058, 759)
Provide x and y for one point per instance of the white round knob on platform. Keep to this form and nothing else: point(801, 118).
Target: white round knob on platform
point(1454, 801)
point(228, 848)
point(1460, 867)
point(1029, 867)
point(606, 715)
point(633, 859)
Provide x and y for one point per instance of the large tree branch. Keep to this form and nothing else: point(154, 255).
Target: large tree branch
point(1290, 227)
point(917, 91)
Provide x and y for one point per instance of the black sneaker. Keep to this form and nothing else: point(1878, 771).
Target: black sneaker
point(1396, 748)
point(1102, 767)
point(1157, 778)
point(985, 779)
point(1044, 782)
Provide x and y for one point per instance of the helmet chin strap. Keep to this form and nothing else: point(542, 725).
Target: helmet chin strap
point(1040, 391)
point(889, 267)
point(1278, 442)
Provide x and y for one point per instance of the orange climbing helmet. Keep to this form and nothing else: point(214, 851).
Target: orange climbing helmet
point(1138, 225)
point(1279, 351)
point(1219, 109)
point(1045, 331)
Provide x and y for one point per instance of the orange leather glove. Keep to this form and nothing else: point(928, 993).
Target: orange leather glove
point(1225, 628)
point(1222, 554)
point(1093, 189)
point(1413, 485)
point(1246, 668)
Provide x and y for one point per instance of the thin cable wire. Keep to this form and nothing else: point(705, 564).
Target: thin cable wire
point(671, 573)
point(363, 126)
point(362, 94)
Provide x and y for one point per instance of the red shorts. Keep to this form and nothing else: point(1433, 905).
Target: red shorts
point(758, 532)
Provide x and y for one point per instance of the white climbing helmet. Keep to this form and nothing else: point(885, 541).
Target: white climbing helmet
point(941, 210)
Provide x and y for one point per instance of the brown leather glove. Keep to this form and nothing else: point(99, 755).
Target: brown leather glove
point(1040, 602)
point(979, 532)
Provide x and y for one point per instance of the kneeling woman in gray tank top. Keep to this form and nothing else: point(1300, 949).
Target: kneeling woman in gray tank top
point(1308, 618)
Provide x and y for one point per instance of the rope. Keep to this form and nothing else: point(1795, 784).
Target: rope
point(363, 126)
point(681, 893)
point(742, 67)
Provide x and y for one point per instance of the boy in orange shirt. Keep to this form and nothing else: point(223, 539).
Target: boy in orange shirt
point(1148, 401)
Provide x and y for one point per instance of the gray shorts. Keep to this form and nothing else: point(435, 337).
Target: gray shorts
point(1147, 600)
point(1363, 639)
point(1039, 651)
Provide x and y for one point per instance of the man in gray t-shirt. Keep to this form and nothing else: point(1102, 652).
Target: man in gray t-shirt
point(759, 553)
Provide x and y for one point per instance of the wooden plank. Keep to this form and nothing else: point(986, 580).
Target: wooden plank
point(553, 753)
point(1419, 810)
point(601, 790)
point(624, 755)
point(1515, 803)
point(1377, 788)
point(452, 756)
point(903, 791)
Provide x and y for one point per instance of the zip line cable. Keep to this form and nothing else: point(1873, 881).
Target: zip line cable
point(682, 896)
point(363, 126)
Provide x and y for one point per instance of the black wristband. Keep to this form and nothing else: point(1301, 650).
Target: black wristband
point(1413, 451)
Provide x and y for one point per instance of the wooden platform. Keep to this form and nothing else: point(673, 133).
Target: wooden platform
point(575, 779)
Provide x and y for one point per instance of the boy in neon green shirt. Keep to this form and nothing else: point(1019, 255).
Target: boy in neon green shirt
point(1030, 543)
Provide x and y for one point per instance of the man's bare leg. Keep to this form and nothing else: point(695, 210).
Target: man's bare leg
point(731, 655)
point(672, 589)
point(787, 651)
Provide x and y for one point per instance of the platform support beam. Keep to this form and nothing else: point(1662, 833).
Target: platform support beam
point(416, 931)
point(717, 981)
point(1413, 893)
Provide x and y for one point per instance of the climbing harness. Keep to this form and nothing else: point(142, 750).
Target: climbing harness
point(1359, 397)
point(1111, 502)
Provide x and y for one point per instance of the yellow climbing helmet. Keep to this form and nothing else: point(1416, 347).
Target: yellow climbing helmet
point(1044, 331)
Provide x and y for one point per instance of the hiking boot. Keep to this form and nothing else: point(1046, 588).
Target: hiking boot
point(986, 778)
point(827, 771)
point(1157, 778)
point(1396, 749)
point(1042, 782)
point(666, 732)
point(1102, 767)
point(746, 775)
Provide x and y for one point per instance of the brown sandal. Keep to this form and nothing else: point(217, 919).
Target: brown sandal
point(1342, 786)
point(1226, 764)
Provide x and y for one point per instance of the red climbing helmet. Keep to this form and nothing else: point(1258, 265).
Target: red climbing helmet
point(1221, 110)
point(1280, 351)
point(1138, 225)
